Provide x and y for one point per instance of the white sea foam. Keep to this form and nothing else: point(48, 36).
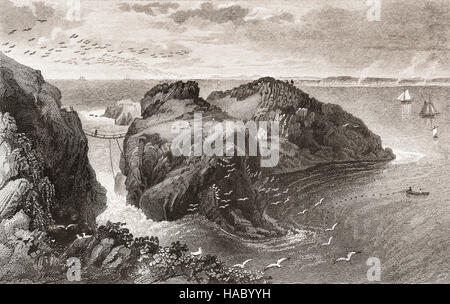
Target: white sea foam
point(403, 157)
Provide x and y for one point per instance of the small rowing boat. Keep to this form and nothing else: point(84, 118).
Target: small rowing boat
point(411, 192)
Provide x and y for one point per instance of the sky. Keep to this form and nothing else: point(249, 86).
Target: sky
point(110, 39)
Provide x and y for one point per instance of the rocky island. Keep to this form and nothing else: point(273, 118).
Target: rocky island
point(167, 187)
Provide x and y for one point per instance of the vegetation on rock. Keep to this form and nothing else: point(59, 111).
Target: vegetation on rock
point(40, 199)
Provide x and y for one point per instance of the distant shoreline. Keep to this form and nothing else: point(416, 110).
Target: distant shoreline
point(309, 83)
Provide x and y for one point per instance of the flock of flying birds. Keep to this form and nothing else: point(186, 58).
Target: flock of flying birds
point(224, 202)
point(75, 50)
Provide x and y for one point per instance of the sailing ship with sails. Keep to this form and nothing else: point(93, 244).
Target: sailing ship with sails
point(428, 110)
point(405, 96)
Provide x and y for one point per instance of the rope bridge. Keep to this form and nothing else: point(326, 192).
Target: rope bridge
point(110, 137)
point(104, 136)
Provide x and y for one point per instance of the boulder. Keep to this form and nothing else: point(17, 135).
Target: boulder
point(100, 252)
point(11, 197)
point(123, 112)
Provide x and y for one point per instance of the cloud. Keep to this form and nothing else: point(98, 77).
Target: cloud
point(18, 17)
point(311, 37)
point(288, 17)
point(22, 15)
point(207, 11)
point(150, 8)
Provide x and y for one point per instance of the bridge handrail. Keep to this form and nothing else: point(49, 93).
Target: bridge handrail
point(105, 136)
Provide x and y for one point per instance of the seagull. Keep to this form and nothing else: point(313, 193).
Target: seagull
point(286, 200)
point(6, 43)
point(32, 53)
point(277, 264)
point(192, 210)
point(27, 29)
point(42, 20)
point(348, 258)
point(243, 264)
point(224, 206)
point(332, 227)
point(12, 32)
point(319, 202)
point(228, 175)
point(303, 212)
point(286, 191)
point(26, 52)
point(276, 203)
point(198, 252)
point(225, 201)
point(228, 193)
point(329, 242)
point(66, 227)
point(231, 170)
point(243, 199)
point(31, 39)
point(276, 195)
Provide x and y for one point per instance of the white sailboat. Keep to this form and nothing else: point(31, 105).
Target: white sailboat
point(435, 132)
point(405, 96)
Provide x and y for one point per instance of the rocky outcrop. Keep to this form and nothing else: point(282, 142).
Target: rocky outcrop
point(167, 187)
point(123, 112)
point(59, 147)
point(311, 132)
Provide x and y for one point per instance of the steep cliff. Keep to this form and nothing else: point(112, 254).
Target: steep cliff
point(58, 140)
point(311, 132)
point(225, 189)
point(167, 187)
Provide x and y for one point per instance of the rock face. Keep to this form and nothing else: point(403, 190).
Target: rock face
point(167, 187)
point(224, 189)
point(311, 132)
point(58, 139)
point(123, 112)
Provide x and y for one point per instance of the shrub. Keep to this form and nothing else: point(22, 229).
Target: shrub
point(122, 236)
point(176, 261)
